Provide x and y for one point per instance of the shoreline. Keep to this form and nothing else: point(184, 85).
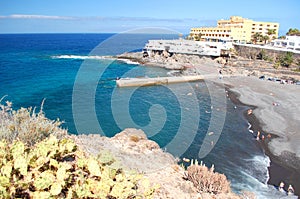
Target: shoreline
point(278, 171)
point(280, 168)
point(283, 167)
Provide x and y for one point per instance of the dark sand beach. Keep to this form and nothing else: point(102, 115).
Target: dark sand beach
point(279, 170)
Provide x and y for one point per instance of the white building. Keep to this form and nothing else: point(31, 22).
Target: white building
point(290, 43)
point(182, 46)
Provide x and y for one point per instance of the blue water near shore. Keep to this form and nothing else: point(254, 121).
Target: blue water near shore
point(34, 67)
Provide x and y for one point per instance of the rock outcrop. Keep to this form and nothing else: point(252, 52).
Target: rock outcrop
point(135, 152)
point(193, 65)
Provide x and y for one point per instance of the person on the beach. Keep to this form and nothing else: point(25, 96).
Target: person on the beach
point(249, 111)
point(281, 187)
point(220, 74)
point(258, 134)
point(291, 190)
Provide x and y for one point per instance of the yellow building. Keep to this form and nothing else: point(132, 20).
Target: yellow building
point(237, 29)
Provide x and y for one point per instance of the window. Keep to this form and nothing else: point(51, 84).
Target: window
point(291, 43)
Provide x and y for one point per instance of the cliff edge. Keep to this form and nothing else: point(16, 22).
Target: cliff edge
point(135, 152)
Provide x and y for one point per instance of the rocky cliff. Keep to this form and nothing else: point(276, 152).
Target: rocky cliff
point(135, 152)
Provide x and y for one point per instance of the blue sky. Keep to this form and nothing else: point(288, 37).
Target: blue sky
point(97, 16)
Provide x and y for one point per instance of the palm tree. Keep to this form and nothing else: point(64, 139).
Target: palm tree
point(256, 37)
point(282, 37)
point(265, 38)
point(198, 37)
point(271, 33)
point(294, 31)
point(189, 37)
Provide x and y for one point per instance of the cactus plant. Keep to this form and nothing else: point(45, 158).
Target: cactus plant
point(46, 170)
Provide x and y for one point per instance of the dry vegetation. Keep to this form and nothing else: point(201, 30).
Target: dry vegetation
point(206, 180)
point(26, 125)
point(36, 161)
point(134, 138)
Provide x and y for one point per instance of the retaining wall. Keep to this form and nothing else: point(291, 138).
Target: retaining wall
point(251, 51)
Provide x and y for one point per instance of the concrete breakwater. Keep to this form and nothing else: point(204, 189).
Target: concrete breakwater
point(146, 81)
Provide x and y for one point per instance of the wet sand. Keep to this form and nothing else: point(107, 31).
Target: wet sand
point(282, 147)
point(278, 170)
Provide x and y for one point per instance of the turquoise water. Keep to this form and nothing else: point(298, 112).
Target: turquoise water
point(80, 89)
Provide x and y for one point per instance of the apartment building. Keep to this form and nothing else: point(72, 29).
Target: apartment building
point(235, 29)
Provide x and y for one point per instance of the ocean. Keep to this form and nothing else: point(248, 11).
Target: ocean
point(190, 120)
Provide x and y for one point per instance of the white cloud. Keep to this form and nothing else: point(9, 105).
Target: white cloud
point(23, 16)
point(177, 21)
point(20, 16)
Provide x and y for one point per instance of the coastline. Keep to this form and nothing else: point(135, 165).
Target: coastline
point(258, 94)
point(248, 91)
point(278, 170)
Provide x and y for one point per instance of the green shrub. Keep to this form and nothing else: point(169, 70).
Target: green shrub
point(26, 125)
point(276, 65)
point(58, 169)
point(206, 180)
point(286, 59)
point(263, 55)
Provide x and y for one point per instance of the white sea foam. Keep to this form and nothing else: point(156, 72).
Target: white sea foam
point(128, 61)
point(249, 128)
point(80, 57)
point(262, 163)
point(256, 176)
point(261, 190)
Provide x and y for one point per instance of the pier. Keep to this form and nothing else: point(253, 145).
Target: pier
point(147, 81)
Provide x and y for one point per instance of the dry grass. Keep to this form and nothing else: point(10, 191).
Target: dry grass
point(134, 138)
point(26, 125)
point(206, 180)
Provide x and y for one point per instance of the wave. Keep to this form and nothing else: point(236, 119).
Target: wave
point(128, 61)
point(94, 57)
point(261, 164)
point(81, 57)
point(249, 128)
point(255, 176)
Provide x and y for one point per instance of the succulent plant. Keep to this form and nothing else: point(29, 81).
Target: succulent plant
point(56, 168)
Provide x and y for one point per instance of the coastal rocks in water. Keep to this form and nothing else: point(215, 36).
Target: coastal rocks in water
point(193, 64)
